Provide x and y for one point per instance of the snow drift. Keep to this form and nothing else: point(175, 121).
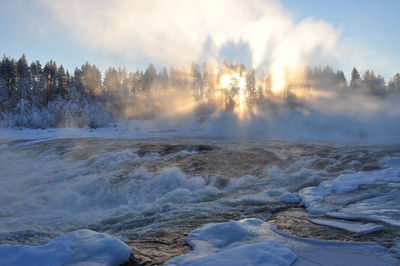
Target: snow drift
point(82, 247)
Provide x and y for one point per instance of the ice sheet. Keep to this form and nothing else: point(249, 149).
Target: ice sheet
point(312, 196)
point(354, 227)
point(383, 208)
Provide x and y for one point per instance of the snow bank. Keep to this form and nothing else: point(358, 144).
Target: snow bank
point(255, 242)
point(354, 227)
point(348, 183)
point(311, 196)
point(83, 247)
point(267, 253)
point(225, 244)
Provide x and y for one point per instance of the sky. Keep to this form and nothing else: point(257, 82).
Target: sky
point(364, 34)
point(373, 25)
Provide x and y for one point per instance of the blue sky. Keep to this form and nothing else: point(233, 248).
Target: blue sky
point(27, 27)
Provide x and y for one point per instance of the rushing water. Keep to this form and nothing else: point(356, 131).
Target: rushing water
point(140, 188)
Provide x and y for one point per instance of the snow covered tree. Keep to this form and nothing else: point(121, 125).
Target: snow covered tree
point(22, 107)
point(74, 94)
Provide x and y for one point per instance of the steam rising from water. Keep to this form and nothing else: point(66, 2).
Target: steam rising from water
point(178, 31)
point(259, 32)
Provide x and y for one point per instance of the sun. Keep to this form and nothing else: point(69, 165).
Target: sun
point(233, 84)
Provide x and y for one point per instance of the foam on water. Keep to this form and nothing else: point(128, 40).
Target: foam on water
point(46, 191)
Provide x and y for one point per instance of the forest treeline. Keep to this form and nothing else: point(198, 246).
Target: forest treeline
point(36, 96)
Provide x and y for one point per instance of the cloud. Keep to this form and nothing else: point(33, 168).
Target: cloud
point(179, 31)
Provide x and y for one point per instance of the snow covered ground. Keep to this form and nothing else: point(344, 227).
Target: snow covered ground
point(55, 181)
point(283, 124)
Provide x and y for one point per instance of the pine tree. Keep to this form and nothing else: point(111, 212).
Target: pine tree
point(138, 81)
point(49, 74)
point(91, 80)
point(77, 81)
point(36, 70)
point(23, 70)
point(111, 82)
point(396, 80)
point(62, 81)
point(24, 85)
point(23, 90)
point(149, 78)
point(206, 80)
point(251, 84)
point(373, 84)
point(4, 97)
point(355, 79)
point(341, 81)
point(164, 79)
point(196, 80)
point(8, 71)
point(124, 81)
